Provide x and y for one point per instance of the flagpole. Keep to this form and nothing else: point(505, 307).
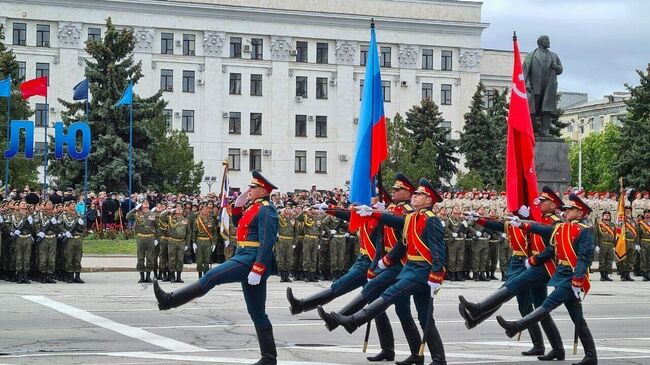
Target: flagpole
point(86, 159)
point(6, 159)
point(130, 151)
point(47, 120)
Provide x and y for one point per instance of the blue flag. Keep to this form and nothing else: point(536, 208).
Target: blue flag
point(80, 91)
point(5, 87)
point(127, 96)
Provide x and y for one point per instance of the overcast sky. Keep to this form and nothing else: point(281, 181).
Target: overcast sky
point(600, 42)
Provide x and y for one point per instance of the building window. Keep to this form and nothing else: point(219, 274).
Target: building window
point(235, 47)
point(321, 88)
point(363, 53)
point(42, 35)
point(167, 80)
point(301, 161)
point(167, 113)
point(490, 97)
point(256, 85)
point(43, 70)
point(445, 94)
point(189, 43)
point(445, 62)
point(302, 52)
point(234, 123)
point(40, 114)
point(95, 34)
point(22, 70)
point(321, 126)
point(321, 162)
point(361, 89)
point(188, 121)
point(301, 86)
point(256, 124)
point(39, 148)
point(321, 52)
point(234, 159)
point(166, 43)
point(235, 84)
point(427, 59)
point(188, 81)
point(427, 91)
point(446, 125)
point(385, 56)
point(385, 89)
point(20, 34)
point(301, 126)
point(256, 48)
point(255, 160)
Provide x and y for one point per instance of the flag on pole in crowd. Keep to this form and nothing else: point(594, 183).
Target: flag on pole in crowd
point(371, 145)
point(620, 249)
point(5, 87)
point(521, 178)
point(224, 215)
point(127, 96)
point(37, 86)
point(80, 91)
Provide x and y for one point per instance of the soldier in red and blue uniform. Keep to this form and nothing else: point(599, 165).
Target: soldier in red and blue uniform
point(253, 262)
point(525, 282)
point(573, 243)
point(421, 276)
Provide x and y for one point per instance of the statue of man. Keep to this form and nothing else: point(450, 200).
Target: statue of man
point(541, 68)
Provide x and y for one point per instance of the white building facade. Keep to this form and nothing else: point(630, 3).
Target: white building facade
point(267, 84)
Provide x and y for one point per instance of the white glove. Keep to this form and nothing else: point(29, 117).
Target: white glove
point(319, 247)
point(442, 223)
point(241, 199)
point(68, 234)
point(30, 219)
point(212, 247)
point(504, 235)
point(2, 220)
point(435, 287)
point(576, 291)
point(332, 231)
point(186, 248)
point(226, 243)
point(379, 206)
point(194, 246)
point(346, 235)
point(53, 220)
point(536, 201)
point(514, 221)
point(293, 246)
point(365, 212)
point(637, 248)
point(478, 234)
point(254, 278)
point(465, 224)
point(597, 249)
point(381, 265)
point(471, 216)
point(454, 234)
point(321, 207)
point(527, 264)
point(524, 211)
point(16, 232)
point(80, 221)
point(138, 206)
point(41, 234)
point(155, 242)
point(153, 209)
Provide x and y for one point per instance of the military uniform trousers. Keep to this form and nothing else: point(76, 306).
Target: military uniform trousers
point(176, 250)
point(505, 252)
point(297, 254)
point(203, 254)
point(467, 260)
point(284, 253)
point(456, 248)
point(47, 259)
point(356, 277)
point(73, 253)
point(628, 263)
point(606, 257)
point(23, 252)
point(384, 279)
point(529, 285)
point(145, 246)
point(163, 253)
point(337, 252)
point(59, 261)
point(233, 271)
point(324, 256)
point(493, 255)
point(310, 253)
point(351, 251)
point(7, 253)
point(480, 255)
point(645, 254)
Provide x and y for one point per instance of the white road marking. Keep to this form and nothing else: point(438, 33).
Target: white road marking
point(137, 333)
point(600, 348)
point(211, 359)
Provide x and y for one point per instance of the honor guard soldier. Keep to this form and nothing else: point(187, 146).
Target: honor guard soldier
point(339, 231)
point(299, 234)
point(179, 234)
point(631, 245)
point(253, 262)
point(23, 230)
point(72, 227)
point(573, 243)
point(285, 245)
point(480, 247)
point(46, 240)
point(495, 241)
point(644, 240)
point(145, 231)
point(605, 242)
point(421, 276)
point(204, 238)
point(455, 232)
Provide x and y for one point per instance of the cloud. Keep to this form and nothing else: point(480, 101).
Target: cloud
point(600, 42)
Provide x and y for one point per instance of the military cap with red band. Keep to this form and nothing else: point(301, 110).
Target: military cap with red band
point(576, 202)
point(426, 188)
point(402, 182)
point(549, 194)
point(261, 181)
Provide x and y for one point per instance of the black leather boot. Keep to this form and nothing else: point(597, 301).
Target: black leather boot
point(357, 304)
point(413, 339)
point(49, 279)
point(487, 276)
point(267, 345)
point(609, 278)
point(166, 276)
point(148, 278)
point(460, 276)
point(474, 314)
point(77, 278)
point(477, 277)
point(303, 305)
point(555, 340)
point(386, 340)
point(352, 322)
point(69, 277)
point(176, 298)
point(492, 276)
point(141, 277)
point(537, 339)
point(514, 327)
point(629, 278)
point(588, 344)
point(156, 274)
point(178, 277)
point(436, 347)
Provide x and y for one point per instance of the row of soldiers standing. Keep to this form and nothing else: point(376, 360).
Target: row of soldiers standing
point(41, 240)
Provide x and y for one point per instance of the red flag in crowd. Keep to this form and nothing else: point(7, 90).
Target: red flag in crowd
point(33, 87)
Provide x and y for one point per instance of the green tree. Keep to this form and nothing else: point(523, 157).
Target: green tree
point(22, 171)
point(424, 122)
point(470, 180)
point(111, 69)
point(599, 151)
point(400, 150)
point(498, 117)
point(634, 147)
point(167, 164)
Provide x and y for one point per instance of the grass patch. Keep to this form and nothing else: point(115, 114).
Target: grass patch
point(109, 247)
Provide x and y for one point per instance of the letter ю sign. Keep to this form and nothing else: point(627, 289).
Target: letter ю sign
point(61, 139)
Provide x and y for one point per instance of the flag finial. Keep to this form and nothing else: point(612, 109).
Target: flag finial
point(514, 35)
point(372, 23)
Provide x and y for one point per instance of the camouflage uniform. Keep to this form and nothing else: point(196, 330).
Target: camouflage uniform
point(145, 229)
point(605, 241)
point(179, 234)
point(455, 233)
point(203, 236)
point(284, 247)
point(73, 226)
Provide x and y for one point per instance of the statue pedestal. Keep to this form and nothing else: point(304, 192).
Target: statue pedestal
point(552, 163)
